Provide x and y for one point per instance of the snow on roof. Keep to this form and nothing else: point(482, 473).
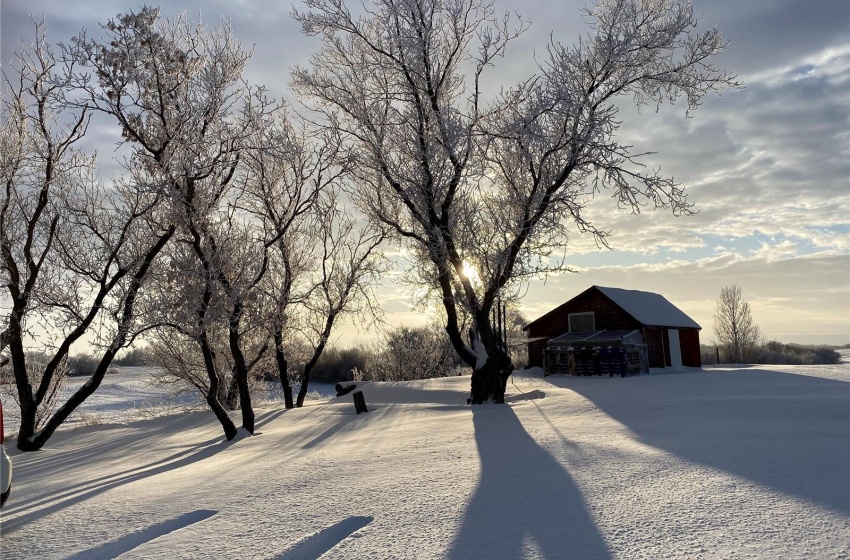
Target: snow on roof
point(649, 308)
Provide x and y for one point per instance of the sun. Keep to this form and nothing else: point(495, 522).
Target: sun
point(470, 272)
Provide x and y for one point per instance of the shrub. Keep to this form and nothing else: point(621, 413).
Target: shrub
point(133, 357)
point(775, 352)
point(336, 364)
point(778, 353)
point(82, 364)
point(413, 353)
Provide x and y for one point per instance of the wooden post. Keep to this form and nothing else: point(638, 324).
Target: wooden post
point(359, 402)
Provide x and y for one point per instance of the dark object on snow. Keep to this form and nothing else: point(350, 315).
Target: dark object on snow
point(344, 389)
point(359, 401)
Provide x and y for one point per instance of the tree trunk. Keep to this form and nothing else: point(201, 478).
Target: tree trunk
point(240, 369)
point(305, 382)
point(308, 368)
point(219, 411)
point(283, 370)
point(490, 381)
point(215, 385)
point(491, 372)
point(317, 353)
point(37, 441)
point(231, 398)
point(25, 393)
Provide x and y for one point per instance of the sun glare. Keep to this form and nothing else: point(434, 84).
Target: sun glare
point(470, 272)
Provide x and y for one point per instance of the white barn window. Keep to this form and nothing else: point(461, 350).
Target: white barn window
point(582, 322)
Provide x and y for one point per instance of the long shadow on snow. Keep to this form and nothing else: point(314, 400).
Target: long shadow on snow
point(524, 498)
point(69, 498)
point(787, 432)
point(345, 422)
point(83, 488)
point(107, 442)
point(407, 393)
point(71, 447)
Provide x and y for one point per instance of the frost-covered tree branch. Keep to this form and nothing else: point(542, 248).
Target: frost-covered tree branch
point(177, 94)
point(496, 189)
point(75, 253)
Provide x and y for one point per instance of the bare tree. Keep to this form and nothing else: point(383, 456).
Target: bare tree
point(321, 259)
point(348, 265)
point(74, 254)
point(194, 313)
point(491, 191)
point(734, 326)
point(177, 93)
point(180, 357)
point(287, 175)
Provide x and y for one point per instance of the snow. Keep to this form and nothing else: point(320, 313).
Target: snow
point(134, 393)
point(480, 353)
point(649, 308)
point(726, 462)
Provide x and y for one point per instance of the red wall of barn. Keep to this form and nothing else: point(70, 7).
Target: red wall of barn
point(658, 341)
point(689, 339)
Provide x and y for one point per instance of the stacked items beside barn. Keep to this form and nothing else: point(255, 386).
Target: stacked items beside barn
point(613, 331)
point(606, 352)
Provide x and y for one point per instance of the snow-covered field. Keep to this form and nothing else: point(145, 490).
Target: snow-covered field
point(135, 393)
point(722, 463)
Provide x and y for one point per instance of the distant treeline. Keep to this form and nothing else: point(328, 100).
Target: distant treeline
point(779, 353)
point(85, 364)
point(407, 353)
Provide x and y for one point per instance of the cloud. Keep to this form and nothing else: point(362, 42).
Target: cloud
point(768, 166)
point(770, 160)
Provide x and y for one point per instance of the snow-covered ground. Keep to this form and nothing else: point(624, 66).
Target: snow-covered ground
point(722, 463)
point(134, 393)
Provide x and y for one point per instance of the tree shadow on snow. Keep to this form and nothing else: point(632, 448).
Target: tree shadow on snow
point(349, 421)
point(525, 502)
point(783, 431)
point(71, 496)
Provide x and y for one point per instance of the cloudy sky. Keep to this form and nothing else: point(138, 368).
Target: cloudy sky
point(768, 166)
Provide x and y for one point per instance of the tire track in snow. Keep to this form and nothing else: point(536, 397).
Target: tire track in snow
point(133, 540)
point(314, 546)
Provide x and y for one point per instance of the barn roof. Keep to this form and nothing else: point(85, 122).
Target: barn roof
point(648, 308)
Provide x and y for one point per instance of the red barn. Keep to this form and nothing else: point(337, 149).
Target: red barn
point(656, 332)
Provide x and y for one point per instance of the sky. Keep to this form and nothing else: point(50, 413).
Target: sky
point(767, 166)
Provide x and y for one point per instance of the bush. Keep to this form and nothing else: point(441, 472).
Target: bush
point(336, 364)
point(778, 353)
point(775, 352)
point(407, 353)
point(82, 364)
point(413, 353)
point(134, 357)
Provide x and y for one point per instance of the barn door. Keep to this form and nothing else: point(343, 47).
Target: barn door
point(675, 348)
